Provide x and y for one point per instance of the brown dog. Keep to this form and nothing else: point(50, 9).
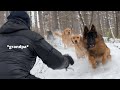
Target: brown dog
point(66, 37)
point(95, 46)
point(78, 44)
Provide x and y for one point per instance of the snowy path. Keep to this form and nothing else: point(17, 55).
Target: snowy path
point(82, 69)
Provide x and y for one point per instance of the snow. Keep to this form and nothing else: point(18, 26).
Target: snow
point(81, 68)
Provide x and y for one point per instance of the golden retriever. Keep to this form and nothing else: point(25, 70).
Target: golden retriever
point(66, 37)
point(78, 44)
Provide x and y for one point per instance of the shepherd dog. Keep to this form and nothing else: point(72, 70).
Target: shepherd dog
point(50, 35)
point(66, 37)
point(95, 46)
point(77, 40)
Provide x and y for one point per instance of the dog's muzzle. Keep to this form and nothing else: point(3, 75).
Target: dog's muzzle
point(91, 46)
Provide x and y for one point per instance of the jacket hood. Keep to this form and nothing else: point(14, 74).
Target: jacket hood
point(20, 15)
point(13, 25)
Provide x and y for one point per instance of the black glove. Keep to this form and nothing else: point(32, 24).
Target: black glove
point(69, 59)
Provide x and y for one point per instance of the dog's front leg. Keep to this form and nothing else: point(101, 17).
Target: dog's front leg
point(92, 61)
point(104, 58)
point(108, 54)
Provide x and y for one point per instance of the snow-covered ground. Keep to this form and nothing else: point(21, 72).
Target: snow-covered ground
point(81, 69)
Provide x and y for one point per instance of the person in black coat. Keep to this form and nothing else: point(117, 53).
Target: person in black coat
point(19, 47)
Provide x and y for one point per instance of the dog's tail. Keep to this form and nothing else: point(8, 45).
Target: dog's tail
point(58, 34)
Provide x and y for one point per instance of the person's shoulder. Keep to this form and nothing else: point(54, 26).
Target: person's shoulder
point(36, 35)
point(33, 35)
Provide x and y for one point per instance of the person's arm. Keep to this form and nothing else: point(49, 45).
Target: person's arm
point(50, 56)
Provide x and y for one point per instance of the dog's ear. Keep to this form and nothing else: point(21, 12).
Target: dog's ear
point(81, 38)
point(93, 29)
point(85, 31)
point(72, 40)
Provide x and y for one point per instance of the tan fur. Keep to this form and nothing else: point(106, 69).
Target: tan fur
point(66, 37)
point(78, 45)
point(99, 51)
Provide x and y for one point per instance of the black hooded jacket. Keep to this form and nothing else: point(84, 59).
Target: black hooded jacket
point(16, 62)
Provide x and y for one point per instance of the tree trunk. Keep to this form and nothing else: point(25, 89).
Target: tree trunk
point(117, 33)
point(2, 18)
point(110, 24)
point(100, 23)
point(58, 17)
point(91, 21)
point(81, 19)
point(36, 24)
point(40, 13)
point(54, 21)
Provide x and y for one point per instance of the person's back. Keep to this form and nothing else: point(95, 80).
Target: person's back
point(19, 47)
point(16, 50)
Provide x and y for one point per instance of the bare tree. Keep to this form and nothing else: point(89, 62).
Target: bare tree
point(2, 18)
point(81, 19)
point(54, 21)
point(36, 23)
point(110, 24)
point(40, 13)
point(117, 23)
point(91, 21)
point(99, 21)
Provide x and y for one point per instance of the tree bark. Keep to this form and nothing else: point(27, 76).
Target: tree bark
point(117, 33)
point(91, 21)
point(54, 21)
point(40, 13)
point(2, 18)
point(36, 24)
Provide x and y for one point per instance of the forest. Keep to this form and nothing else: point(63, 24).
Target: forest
point(107, 22)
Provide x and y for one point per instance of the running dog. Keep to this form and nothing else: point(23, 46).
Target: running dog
point(95, 46)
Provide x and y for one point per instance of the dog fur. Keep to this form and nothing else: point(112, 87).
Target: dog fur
point(77, 40)
point(98, 50)
point(66, 37)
